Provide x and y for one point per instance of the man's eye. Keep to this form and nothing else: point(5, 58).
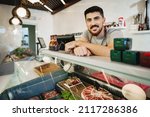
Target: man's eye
point(97, 18)
point(88, 20)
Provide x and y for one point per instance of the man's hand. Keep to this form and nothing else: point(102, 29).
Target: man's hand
point(81, 51)
point(70, 46)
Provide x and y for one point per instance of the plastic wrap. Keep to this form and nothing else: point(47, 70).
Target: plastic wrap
point(26, 83)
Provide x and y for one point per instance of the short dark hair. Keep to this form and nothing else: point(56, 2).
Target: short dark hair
point(94, 9)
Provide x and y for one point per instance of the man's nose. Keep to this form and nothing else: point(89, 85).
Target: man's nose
point(93, 22)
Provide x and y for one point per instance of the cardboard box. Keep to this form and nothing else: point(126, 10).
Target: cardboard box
point(46, 69)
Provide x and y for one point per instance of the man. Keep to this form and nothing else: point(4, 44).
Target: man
point(97, 40)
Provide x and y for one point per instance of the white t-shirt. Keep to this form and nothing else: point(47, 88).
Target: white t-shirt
point(110, 35)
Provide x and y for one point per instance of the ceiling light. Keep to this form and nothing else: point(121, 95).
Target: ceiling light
point(48, 8)
point(41, 3)
point(21, 11)
point(34, 1)
point(63, 2)
point(15, 21)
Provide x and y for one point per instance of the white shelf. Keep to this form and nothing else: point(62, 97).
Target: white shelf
point(141, 32)
point(117, 28)
point(131, 72)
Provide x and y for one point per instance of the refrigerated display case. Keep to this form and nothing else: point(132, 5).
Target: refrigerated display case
point(110, 75)
point(92, 77)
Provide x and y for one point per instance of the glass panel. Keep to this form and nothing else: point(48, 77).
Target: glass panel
point(115, 82)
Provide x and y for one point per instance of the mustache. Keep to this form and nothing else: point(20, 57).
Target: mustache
point(94, 26)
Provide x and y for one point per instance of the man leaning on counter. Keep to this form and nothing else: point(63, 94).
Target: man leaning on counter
point(97, 39)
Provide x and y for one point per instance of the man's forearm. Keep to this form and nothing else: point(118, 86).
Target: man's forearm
point(96, 49)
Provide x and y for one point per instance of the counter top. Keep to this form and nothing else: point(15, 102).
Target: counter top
point(131, 72)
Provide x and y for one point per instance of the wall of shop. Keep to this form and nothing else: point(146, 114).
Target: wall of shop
point(43, 20)
point(71, 20)
point(9, 35)
point(12, 35)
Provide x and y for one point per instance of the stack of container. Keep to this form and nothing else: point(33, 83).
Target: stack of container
point(122, 53)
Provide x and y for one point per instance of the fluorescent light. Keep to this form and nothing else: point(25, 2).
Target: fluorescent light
point(63, 2)
point(34, 1)
point(41, 3)
point(45, 6)
point(48, 8)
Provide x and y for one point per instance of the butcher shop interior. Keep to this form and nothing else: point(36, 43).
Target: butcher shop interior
point(74, 50)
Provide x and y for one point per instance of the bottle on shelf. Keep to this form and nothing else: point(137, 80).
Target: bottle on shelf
point(53, 44)
point(121, 22)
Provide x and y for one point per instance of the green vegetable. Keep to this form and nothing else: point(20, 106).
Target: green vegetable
point(67, 95)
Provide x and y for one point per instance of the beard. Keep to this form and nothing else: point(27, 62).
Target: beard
point(97, 32)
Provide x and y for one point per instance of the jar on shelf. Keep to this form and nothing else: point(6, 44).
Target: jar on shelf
point(121, 22)
point(53, 44)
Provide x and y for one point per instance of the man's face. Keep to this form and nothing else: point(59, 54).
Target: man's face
point(94, 22)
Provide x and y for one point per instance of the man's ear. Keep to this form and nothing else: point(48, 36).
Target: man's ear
point(104, 20)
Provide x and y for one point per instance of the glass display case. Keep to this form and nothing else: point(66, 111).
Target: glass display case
point(75, 78)
point(102, 72)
